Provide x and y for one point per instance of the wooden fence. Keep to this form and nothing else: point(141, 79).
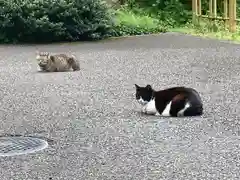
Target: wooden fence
point(229, 13)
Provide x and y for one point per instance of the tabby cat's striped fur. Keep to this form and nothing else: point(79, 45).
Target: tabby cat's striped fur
point(57, 63)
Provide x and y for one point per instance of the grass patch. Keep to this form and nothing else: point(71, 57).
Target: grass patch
point(128, 22)
point(213, 30)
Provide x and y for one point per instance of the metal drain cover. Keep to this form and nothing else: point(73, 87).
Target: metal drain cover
point(11, 146)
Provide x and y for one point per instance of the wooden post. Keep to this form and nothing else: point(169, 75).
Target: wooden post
point(194, 11)
point(214, 15)
point(214, 9)
point(232, 15)
point(199, 11)
point(225, 16)
point(210, 15)
point(199, 7)
point(210, 8)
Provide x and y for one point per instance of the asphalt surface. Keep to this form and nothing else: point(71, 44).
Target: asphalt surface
point(92, 121)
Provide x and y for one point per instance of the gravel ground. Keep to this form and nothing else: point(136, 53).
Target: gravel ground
point(92, 120)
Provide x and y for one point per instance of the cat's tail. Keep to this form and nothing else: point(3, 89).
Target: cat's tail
point(194, 111)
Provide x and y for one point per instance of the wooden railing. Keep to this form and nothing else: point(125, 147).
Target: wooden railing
point(229, 13)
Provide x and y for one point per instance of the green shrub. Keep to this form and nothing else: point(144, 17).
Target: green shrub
point(53, 20)
point(130, 23)
point(173, 13)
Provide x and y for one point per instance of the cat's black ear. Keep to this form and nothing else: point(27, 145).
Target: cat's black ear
point(149, 87)
point(137, 87)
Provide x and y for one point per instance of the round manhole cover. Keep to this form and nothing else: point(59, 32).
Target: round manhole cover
point(11, 146)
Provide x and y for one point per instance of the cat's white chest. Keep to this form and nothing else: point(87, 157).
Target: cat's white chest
point(150, 108)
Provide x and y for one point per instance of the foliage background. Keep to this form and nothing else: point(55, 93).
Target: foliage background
point(78, 20)
point(54, 20)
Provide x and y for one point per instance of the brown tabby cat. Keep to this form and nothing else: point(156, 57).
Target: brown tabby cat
point(57, 63)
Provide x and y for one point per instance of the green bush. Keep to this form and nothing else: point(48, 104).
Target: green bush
point(130, 23)
point(53, 20)
point(173, 13)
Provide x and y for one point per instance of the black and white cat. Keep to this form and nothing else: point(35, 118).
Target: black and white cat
point(175, 101)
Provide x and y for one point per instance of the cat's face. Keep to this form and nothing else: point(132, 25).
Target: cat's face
point(143, 94)
point(43, 59)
